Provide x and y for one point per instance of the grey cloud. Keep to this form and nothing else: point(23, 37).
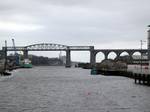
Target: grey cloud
point(78, 22)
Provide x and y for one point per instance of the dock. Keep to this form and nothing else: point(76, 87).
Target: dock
point(139, 78)
point(143, 79)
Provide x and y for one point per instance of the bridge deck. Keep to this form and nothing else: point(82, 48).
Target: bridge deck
point(72, 48)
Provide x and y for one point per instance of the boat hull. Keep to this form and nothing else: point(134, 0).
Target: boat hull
point(26, 65)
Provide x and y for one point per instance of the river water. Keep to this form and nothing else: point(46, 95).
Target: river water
point(59, 89)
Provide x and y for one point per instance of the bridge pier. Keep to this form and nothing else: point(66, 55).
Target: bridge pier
point(118, 55)
point(130, 55)
point(68, 58)
point(25, 54)
point(106, 55)
point(92, 56)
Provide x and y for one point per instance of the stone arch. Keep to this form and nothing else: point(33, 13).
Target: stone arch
point(112, 55)
point(100, 56)
point(124, 56)
point(136, 55)
point(124, 53)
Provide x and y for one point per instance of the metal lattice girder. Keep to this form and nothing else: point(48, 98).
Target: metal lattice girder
point(51, 46)
point(45, 46)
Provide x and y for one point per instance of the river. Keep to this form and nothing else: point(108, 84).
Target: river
point(60, 89)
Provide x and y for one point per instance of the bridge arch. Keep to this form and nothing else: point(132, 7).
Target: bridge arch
point(124, 53)
point(112, 55)
point(137, 53)
point(46, 46)
point(99, 57)
point(124, 56)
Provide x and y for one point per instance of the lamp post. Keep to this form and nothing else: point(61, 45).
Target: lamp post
point(148, 46)
point(5, 64)
point(141, 41)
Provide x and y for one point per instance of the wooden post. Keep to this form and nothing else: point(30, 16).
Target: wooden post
point(139, 77)
point(148, 80)
point(135, 77)
point(144, 81)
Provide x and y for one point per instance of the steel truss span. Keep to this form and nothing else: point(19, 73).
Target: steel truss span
point(45, 46)
point(48, 47)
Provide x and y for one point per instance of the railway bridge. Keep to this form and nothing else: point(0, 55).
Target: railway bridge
point(68, 49)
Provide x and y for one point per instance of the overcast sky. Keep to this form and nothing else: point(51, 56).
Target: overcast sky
point(102, 23)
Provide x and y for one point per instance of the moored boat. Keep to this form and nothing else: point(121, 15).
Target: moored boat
point(26, 63)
